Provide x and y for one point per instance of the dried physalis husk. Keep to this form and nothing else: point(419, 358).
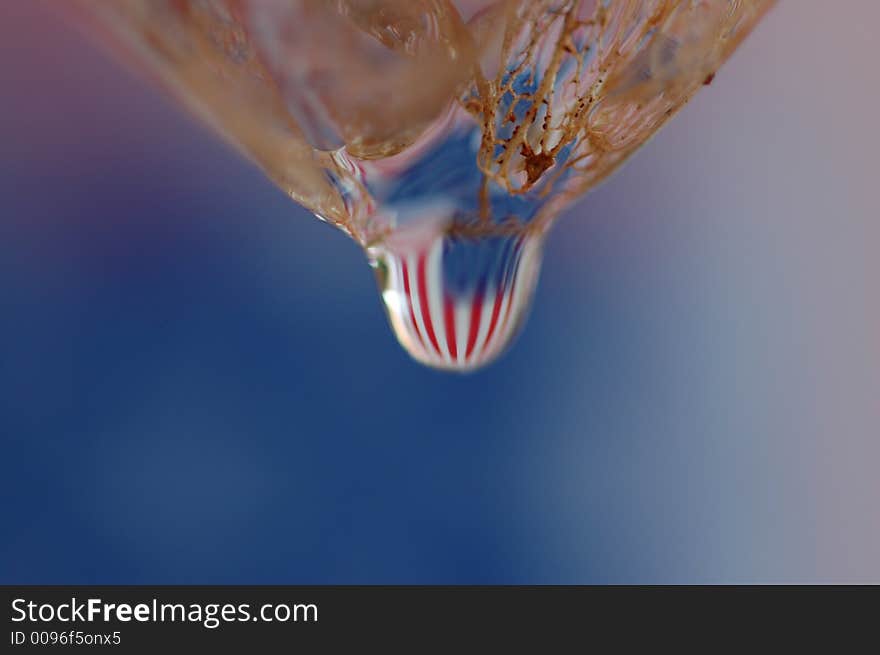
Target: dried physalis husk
point(558, 88)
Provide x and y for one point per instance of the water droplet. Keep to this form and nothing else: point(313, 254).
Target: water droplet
point(456, 294)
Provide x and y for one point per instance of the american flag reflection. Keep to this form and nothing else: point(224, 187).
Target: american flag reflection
point(455, 302)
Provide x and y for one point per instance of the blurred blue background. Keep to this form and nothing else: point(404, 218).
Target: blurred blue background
point(198, 385)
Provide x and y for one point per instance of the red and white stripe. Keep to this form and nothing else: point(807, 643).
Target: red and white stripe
point(460, 332)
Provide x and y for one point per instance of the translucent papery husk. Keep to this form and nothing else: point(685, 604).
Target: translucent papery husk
point(559, 88)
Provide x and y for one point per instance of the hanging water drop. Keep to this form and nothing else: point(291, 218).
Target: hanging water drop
point(455, 300)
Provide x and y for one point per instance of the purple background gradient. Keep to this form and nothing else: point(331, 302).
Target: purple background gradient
point(197, 384)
